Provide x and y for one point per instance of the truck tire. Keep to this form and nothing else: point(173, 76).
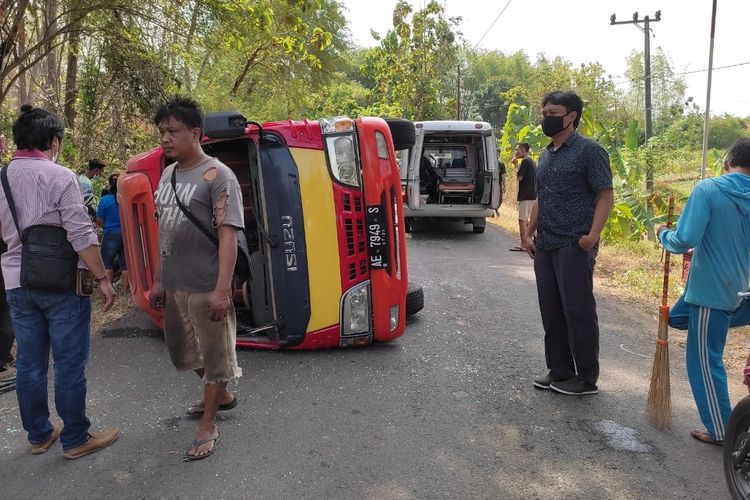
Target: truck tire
point(403, 133)
point(735, 441)
point(479, 225)
point(414, 299)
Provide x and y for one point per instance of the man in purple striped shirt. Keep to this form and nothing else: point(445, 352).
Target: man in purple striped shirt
point(47, 193)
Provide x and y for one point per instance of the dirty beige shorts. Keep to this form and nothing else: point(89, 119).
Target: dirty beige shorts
point(524, 209)
point(194, 341)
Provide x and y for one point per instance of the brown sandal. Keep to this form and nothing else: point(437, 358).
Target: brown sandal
point(705, 437)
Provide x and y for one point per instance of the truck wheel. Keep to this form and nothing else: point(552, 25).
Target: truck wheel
point(479, 225)
point(403, 133)
point(414, 299)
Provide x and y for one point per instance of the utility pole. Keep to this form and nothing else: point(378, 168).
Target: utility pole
point(646, 21)
point(706, 119)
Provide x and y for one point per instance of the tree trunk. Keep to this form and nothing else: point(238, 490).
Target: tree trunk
point(12, 41)
point(189, 46)
point(71, 78)
point(249, 64)
point(23, 89)
point(51, 65)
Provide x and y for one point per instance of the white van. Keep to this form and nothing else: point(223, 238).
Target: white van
point(451, 173)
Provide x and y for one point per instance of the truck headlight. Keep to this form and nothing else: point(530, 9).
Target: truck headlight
point(336, 125)
point(355, 310)
point(342, 156)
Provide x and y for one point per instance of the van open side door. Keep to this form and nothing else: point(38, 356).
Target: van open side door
point(412, 171)
point(493, 192)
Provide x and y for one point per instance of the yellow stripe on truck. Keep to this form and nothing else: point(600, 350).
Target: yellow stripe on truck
point(321, 237)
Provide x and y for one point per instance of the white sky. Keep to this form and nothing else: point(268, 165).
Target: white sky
point(579, 31)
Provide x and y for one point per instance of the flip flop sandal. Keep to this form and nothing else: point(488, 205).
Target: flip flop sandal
point(197, 409)
point(197, 444)
point(705, 437)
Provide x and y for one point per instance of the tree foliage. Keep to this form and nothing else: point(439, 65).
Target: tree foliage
point(667, 89)
point(424, 46)
point(105, 66)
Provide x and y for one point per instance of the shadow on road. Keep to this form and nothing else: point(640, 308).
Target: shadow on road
point(430, 229)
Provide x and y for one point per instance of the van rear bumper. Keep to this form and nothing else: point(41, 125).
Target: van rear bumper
point(449, 211)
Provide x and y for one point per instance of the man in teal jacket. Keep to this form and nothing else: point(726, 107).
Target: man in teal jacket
point(716, 224)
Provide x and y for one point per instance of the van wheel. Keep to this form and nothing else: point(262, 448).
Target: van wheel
point(403, 133)
point(414, 299)
point(479, 225)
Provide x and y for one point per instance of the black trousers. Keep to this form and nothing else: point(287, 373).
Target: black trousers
point(565, 284)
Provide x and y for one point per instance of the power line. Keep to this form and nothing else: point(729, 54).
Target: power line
point(493, 24)
point(718, 67)
point(631, 80)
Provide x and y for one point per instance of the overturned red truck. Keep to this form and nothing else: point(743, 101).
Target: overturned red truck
point(324, 223)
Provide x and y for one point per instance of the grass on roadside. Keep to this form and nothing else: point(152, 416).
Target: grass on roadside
point(633, 271)
point(99, 319)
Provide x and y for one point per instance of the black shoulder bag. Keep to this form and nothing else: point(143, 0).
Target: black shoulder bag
point(242, 266)
point(48, 261)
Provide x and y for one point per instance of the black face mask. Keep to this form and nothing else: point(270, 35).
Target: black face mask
point(553, 125)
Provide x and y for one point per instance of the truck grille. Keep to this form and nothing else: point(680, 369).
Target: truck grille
point(353, 247)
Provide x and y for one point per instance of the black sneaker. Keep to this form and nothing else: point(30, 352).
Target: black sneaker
point(543, 382)
point(574, 387)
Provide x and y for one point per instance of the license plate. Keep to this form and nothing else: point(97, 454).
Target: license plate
point(377, 236)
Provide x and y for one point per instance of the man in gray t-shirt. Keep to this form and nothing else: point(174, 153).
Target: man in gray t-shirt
point(194, 280)
point(212, 194)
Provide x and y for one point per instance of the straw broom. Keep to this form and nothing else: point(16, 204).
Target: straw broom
point(659, 402)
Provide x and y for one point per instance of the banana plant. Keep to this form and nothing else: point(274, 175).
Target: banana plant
point(520, 127)
point(636, 213)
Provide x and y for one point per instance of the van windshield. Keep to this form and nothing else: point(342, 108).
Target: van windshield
point(446, 156)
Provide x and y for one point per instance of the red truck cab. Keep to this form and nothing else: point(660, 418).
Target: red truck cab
point(324, 224)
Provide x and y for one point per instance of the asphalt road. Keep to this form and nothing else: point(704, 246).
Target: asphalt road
point(447, 411)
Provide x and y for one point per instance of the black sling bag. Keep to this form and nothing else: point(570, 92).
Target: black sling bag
point(48, 261)
point(242, 266)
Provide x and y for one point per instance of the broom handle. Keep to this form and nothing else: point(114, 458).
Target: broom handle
point(665, 285)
